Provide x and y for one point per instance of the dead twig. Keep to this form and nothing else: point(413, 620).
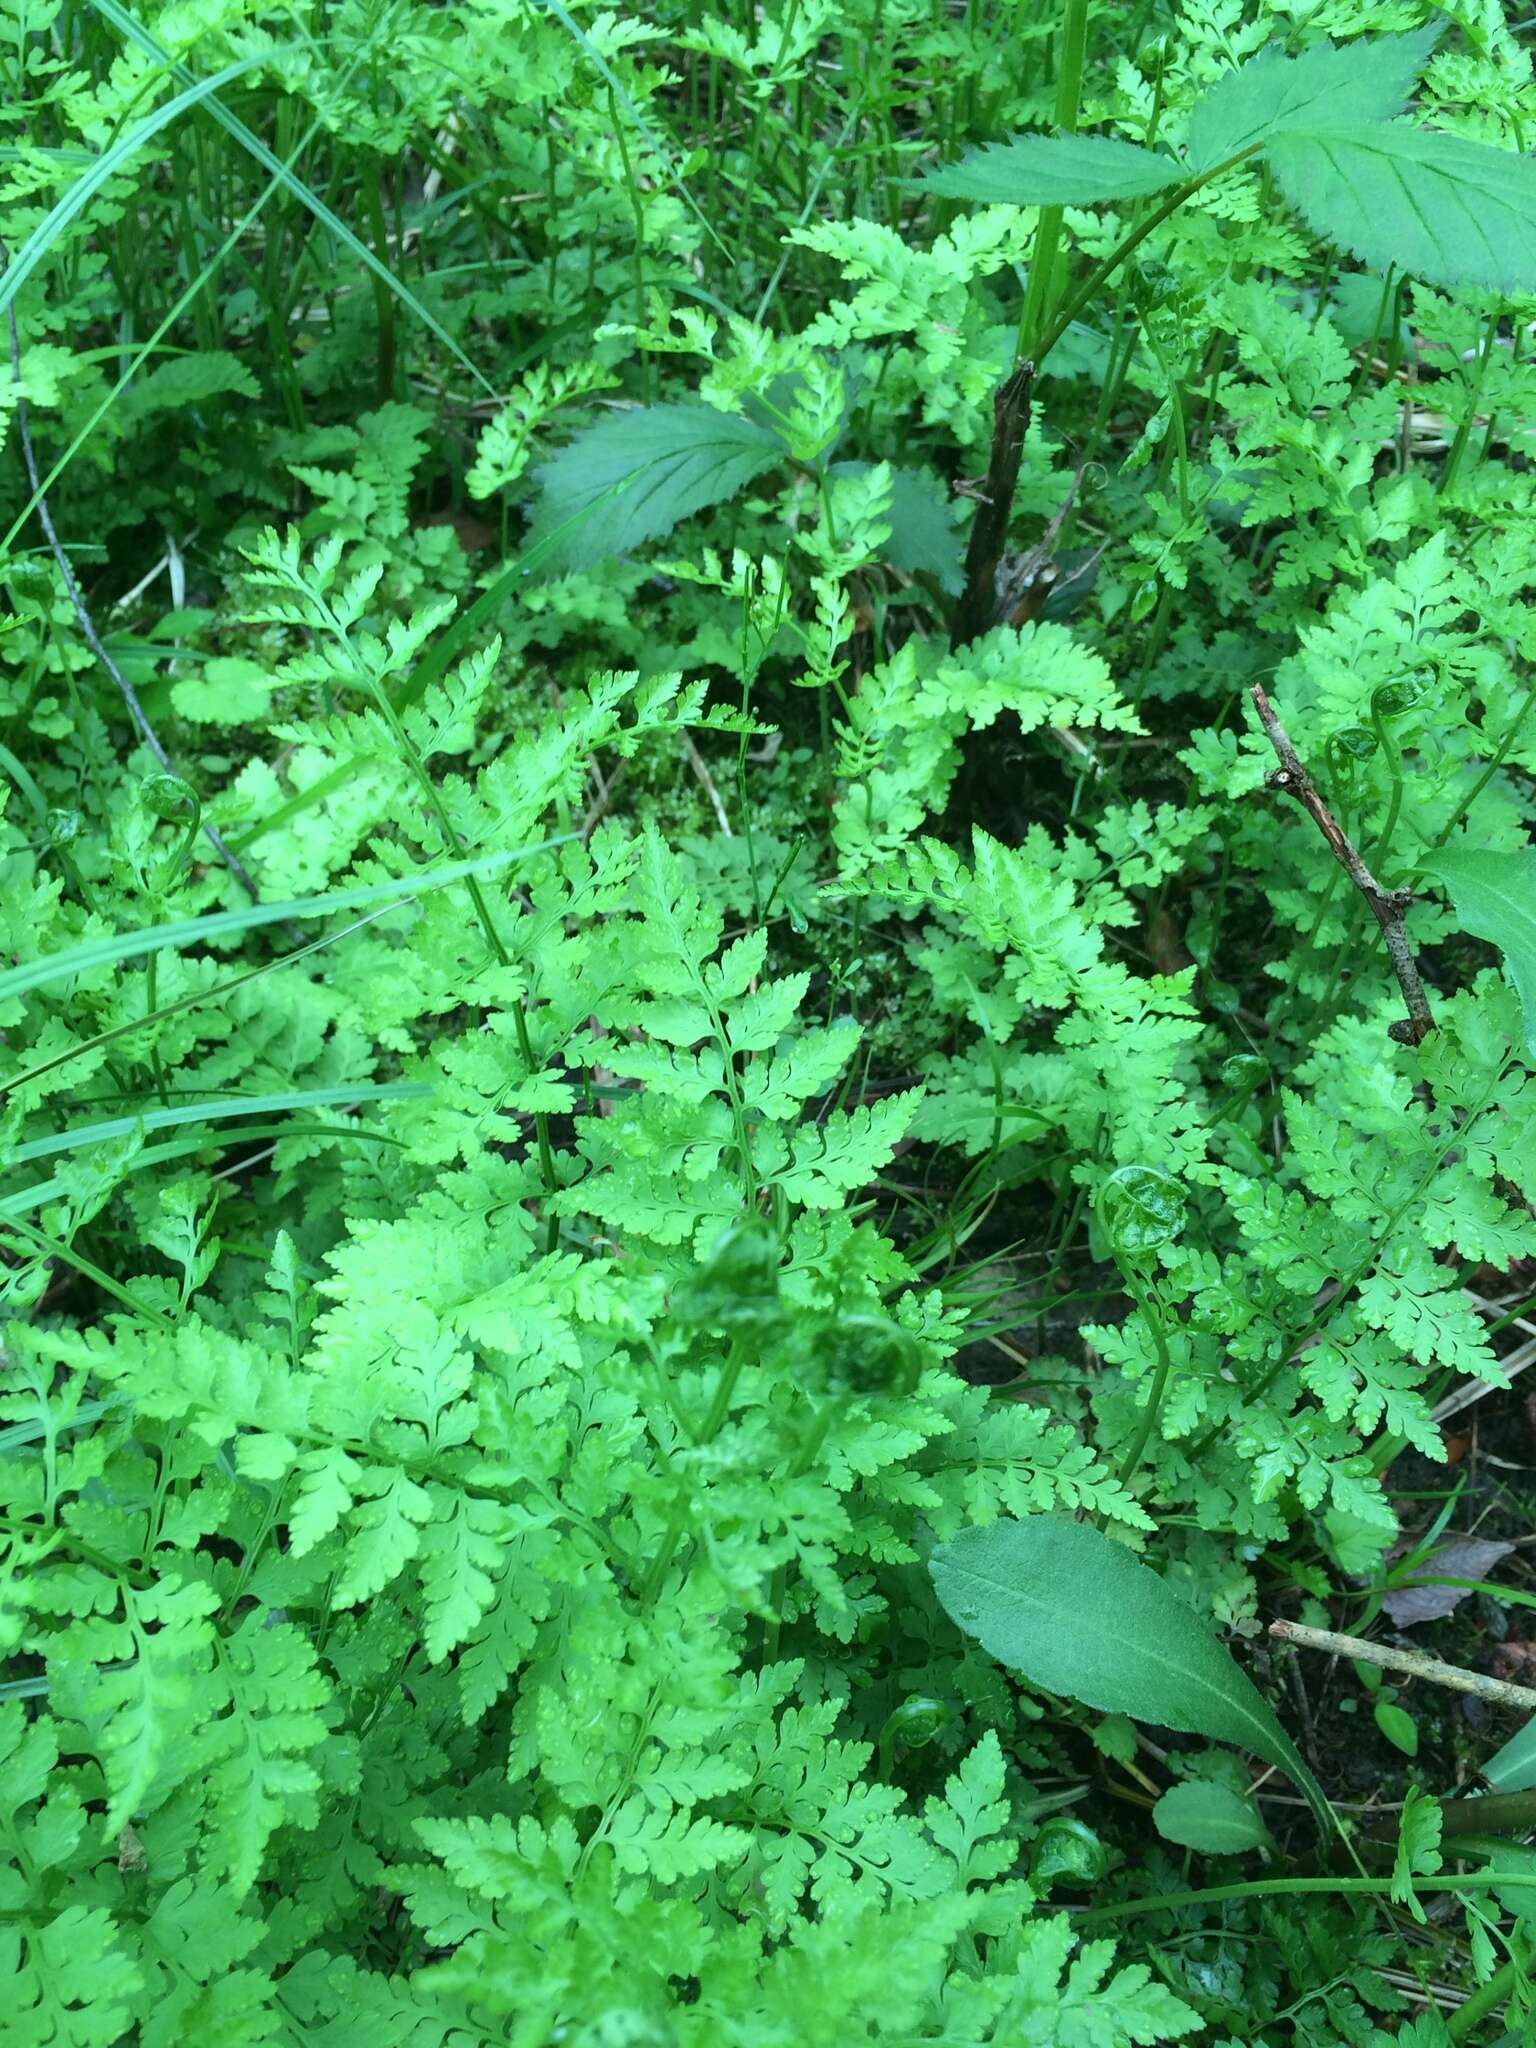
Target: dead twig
point(1024, 582)
point(1498, 1692)
point(1387, 906)
point(1474, 1390)
point(604, 800)
point(700, 767)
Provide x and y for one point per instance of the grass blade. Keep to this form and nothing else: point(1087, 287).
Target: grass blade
point(20, 981)
point(134, 30)
point(217, 1110)
point(106, 166)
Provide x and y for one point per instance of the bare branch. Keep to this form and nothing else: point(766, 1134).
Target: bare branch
point(1388, 906)
point(1411, 1663)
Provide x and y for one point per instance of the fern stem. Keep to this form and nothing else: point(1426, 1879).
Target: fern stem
point(383, 295)
point(637, 210)
point(434, 800)
point(1500, 757)
point(709, 1429)
point(1394, 755)
point(1347, 1287)
point(1153, 1409)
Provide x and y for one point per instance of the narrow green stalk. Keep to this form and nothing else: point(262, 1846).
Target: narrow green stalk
point(1394, 754)
point(188, 1002)
point(1278, 1887)
point(1479, 377)
point(1490, 1996)
point(151, 1005)
point(1039, 292)
point(55, 1248)
point(146, 348)
point(551, 235)
point(1102, 272)
point(709, 1429)
point(1159, 1388)
point(1178, 440)
point(637, 211)
point(1492, 769)
point(383, 295)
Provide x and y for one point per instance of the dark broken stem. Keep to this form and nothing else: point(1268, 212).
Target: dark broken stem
point(1387, 906)
point(977, 610)
point(87, 625)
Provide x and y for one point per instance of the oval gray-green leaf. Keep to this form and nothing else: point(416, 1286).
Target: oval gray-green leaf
point(1211, 1818)
point(1076, 1613)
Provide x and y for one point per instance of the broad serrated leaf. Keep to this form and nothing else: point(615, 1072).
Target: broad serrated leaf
point(1054, 170)
point(186, 380)
point(1495, 899)
point(924, 539)
point(636, 474)
point(1076, 1613)
point(1214, 1819)
point(1325, 87)
point(1441, 208)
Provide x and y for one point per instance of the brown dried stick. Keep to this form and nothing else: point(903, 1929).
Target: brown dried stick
point(1412, 1664)
point(1387, 905)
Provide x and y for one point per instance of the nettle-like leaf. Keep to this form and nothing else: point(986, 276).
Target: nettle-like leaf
point(186, 381)
point(637, 474)
point(1076, 1613)
point(1444, 209)
point(1495, 899)
point(1054, 170)
point(1346, 86)
point(924, 539)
